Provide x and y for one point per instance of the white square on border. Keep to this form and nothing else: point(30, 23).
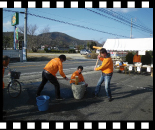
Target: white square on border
point(116, 125)
point(45, 125)
point(144, 125)
point(145, 4)
point(102, 4)
point(116, 4)
point(87, 125)
point(131, 4)
point(16, 125)
point(73, 125)
point(88, 4)
point(30, 125)
point(2, 125)
point(45, 4)
point(3, 4)
point(17, 4)
point(74, 4)
point(60, 4)
point(130, 125)
point(59, 125)
point(102, 125)
point(31, 4)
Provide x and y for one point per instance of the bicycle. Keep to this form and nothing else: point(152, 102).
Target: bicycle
point(14, 86)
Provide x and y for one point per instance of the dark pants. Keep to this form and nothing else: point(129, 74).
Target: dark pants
point(53, 80)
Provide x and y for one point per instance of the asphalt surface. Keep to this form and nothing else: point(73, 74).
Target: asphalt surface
point(132, 100)
point(33, 68)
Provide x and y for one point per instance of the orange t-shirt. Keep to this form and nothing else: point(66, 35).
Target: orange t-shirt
point(107, 66)
point(80, 76)
point(53, 66)
point(136, 58)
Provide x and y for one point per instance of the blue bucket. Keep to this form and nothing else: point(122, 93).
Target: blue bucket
point(43, 102)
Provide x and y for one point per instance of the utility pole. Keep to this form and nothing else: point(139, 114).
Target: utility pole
point(25, 38)
point(131, 29)
point(14, 37)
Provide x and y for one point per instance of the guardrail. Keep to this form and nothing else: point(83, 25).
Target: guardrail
point(13, 53)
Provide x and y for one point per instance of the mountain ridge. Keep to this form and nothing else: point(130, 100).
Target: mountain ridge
point(57, 38)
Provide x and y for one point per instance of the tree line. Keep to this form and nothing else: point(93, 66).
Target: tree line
point(34, 42)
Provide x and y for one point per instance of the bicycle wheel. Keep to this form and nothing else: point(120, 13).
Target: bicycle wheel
point(14, 88)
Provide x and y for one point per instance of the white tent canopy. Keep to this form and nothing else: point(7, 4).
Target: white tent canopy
point(138, 44)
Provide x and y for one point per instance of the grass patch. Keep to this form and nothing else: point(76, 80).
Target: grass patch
point(41, 57)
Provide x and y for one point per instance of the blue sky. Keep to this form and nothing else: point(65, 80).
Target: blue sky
point(92, 19)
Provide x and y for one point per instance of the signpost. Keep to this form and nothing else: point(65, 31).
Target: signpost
point(14, 22)
point(16, 38)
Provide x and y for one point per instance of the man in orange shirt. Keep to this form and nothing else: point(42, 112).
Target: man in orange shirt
point(107, 72)
point(136, 59)
point(78, 73)
point(49, 73)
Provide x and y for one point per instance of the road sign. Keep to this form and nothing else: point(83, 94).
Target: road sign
point(15, 19)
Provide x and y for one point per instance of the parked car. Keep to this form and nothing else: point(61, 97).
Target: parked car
point(84, 52)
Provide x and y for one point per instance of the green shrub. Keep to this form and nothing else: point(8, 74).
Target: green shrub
point(129, 58)
point(146, 59)
point(71, 51)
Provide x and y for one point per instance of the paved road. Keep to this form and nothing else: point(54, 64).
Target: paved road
point(30, 68)
point(133, 100)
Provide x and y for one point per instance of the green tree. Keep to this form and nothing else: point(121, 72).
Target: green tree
point(88, 45)
point(92, 44)
point(6, 41)
point(11, 41)
point(146, 59)
point(129, 58)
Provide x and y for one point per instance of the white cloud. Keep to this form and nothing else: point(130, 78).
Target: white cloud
point(7, 26)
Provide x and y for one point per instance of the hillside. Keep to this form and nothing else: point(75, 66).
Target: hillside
point(56, 39)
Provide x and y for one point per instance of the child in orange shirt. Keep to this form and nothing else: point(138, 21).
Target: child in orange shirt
point(78, 73)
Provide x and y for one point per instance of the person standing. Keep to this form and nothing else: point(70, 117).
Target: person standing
point(6, 61)
point(49, 73)
point(136, 59)
point(107, 72)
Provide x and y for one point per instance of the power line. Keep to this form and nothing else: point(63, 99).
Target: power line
point(80, 20)
point(122, 19)
point(69, 23)
point(128, 17)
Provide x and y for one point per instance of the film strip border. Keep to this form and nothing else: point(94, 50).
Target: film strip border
point(76, 125)
point(76, 4)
